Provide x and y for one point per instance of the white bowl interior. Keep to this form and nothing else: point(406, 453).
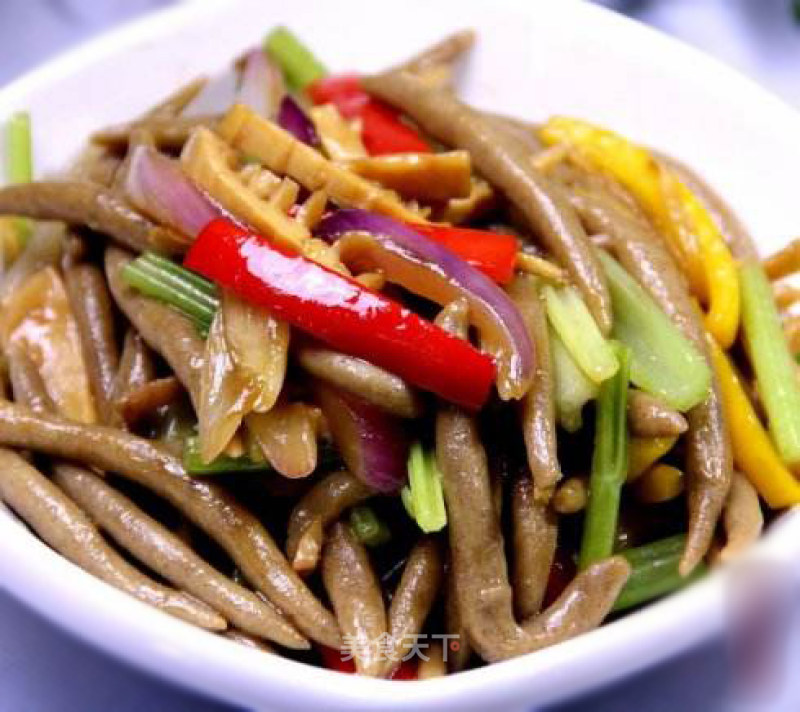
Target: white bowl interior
point(534, 58)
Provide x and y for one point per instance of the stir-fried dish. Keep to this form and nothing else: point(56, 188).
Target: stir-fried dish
point(346, 370)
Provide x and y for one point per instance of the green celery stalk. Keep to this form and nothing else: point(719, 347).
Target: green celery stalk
point(574, 324)
point(423, 497)
point(772, 361)
point(300, 67)
point(664, 362)
point(19, 148)
point(195, 466)
point(654, 572)
point(609, 464)
point(167, 265)
point(370, 530)
point(175, 286)
point(572, 388)
point(184, 288)
point(19, 169)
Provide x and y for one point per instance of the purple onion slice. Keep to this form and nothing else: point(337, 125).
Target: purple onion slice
point(372, 443)
point(294, 120)
point(158, 187)
point(372, 241)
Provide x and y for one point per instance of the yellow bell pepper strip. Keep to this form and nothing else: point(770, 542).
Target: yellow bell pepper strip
point(721, 275)
point(659, 484)
point(690, 232)
point(634, 168)
point(644, 452)
point(753, 451)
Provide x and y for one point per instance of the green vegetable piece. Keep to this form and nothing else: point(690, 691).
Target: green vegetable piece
point(772, 361)
point(300, 67)
point(19, 148)
point(370, 530)
point(223, 464)
point(654, 572)
point(572, 388)
point(19, 168)
point(609, 465)
point(423, 496)
point(162, 279)
point(664, 362)
point(575, 326)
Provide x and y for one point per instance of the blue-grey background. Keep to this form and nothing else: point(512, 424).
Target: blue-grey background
point(44, 670)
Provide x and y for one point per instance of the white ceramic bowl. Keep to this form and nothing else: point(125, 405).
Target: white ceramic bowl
point(534, 58)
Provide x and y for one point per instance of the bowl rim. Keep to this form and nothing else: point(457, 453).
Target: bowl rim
point(233, 673)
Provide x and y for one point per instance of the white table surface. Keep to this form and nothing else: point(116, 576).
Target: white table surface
point(43, 669)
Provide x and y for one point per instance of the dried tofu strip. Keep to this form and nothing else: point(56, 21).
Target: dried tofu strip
point(259, 180)
point(312, 210)
point(430, 177)
point(286, 195)
point(339, 139)
point(212, 164)
point(279, 151)
point(481, 200)
point(541, 268)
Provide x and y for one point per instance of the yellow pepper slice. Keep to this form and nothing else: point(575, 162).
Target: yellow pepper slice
point(631, 165)
point(753, 451)
point(643, 453)
point(660, 483)
point(691, 234)
point(721, 275)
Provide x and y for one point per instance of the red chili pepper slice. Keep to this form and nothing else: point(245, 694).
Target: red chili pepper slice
point(341, 312)
point(383, 133)
point(333, 660)
point(561, 573)
point(382, 130)
point(343, 91)
point(494, 253)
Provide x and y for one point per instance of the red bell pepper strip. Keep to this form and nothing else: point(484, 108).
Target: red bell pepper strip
point(383, 133)
point(343, 91)
point(332, 659)
point(382, 130)
point(342, 313)
point(561, 573)
point(493, 253)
